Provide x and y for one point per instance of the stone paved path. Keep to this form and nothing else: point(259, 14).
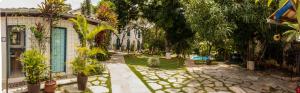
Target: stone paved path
point(171, 81)
point(123, 80)
point(239, 80)
point(219, 78)
point(95, 84)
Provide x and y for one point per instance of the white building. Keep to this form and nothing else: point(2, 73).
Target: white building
point(16, 38)
point(128, 39)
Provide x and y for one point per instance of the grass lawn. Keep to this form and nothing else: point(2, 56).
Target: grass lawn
point(142, 60)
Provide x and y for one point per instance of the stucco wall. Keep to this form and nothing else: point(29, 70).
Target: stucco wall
point(72, 39)
point(132, 38)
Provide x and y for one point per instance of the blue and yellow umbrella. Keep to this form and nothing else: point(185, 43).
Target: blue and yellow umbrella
point(286, 13)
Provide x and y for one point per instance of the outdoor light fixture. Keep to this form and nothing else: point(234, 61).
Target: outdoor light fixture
point(276, 37)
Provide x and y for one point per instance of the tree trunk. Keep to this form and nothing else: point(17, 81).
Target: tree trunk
point(168, 53)
point(209, 50)
point(51, 24)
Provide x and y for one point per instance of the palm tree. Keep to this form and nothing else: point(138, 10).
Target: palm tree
point(291, 35)
point(85, 35)
point(85, 60)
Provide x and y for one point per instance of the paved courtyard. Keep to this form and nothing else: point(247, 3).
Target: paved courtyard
point(123, 80)
point(220, 78)
point(239, 80)
point(95, 84)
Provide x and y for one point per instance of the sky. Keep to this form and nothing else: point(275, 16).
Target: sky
point(33, 3)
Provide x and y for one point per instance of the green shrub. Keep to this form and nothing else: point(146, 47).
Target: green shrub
point(34, 66)
point(99, 69)
point(85, 61)
point(153, 62)
point(104, 57)
point(181, 61)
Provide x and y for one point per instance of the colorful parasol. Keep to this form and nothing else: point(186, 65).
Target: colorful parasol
point(286, 13)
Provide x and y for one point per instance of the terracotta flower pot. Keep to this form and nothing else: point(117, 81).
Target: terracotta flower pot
point(33, 88)
point(81, 81)
point(50, 86)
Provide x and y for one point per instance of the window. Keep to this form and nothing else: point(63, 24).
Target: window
point(128, 33)
point(139, 34)
point(16, 48)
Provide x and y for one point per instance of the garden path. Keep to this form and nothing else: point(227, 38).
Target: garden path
point(123, 80)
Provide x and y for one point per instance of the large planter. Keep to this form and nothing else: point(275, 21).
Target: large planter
point(50, 86)
point(33, 88)
point(81, 81)
point(250, 65)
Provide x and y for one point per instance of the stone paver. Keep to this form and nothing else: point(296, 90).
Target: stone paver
point(170, 81)
point(220, 78)
point(96, 84)
point(225, 77)
point(123, 80)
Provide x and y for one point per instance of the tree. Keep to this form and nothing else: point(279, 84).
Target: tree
point(208, 21)
point(40, 37)
point(253, 34)
point(86, 8)
point(105, 11)
point(168, 15)
point(51, 10)
point(154, 40)
point(85, 35)
point(126, 10)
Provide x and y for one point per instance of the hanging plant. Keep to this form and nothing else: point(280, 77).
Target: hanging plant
point(18, 28)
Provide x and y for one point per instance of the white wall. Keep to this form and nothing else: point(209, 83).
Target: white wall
point(28, 22)
point(72, 39)
point(133, 38)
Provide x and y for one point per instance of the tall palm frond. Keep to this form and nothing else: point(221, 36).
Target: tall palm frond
point(291, 35)
point(81, 26)
point(53, 7)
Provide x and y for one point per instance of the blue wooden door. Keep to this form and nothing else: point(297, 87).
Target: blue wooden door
point(58, 55)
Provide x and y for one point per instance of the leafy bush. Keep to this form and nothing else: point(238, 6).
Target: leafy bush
point(99, 69)
point(34, 66)
point(84, 62)
point(104, 57)
point(153, 62)
point(181, 61)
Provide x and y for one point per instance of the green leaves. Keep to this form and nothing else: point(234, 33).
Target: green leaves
point(292, 25)
point(53, 8)
point(269, 2)
point(298, 15)
point(282, 2)
point(34, 66)
point(207, 20)
point(91, 35)
point(85, 62)
point(81, 26)
point(291, 35)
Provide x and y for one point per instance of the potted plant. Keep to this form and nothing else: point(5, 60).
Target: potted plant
point(34, 68)
point(40, 36)
point(50, 85)
point(84, 63)
point(50, 10)
point(85, 60)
